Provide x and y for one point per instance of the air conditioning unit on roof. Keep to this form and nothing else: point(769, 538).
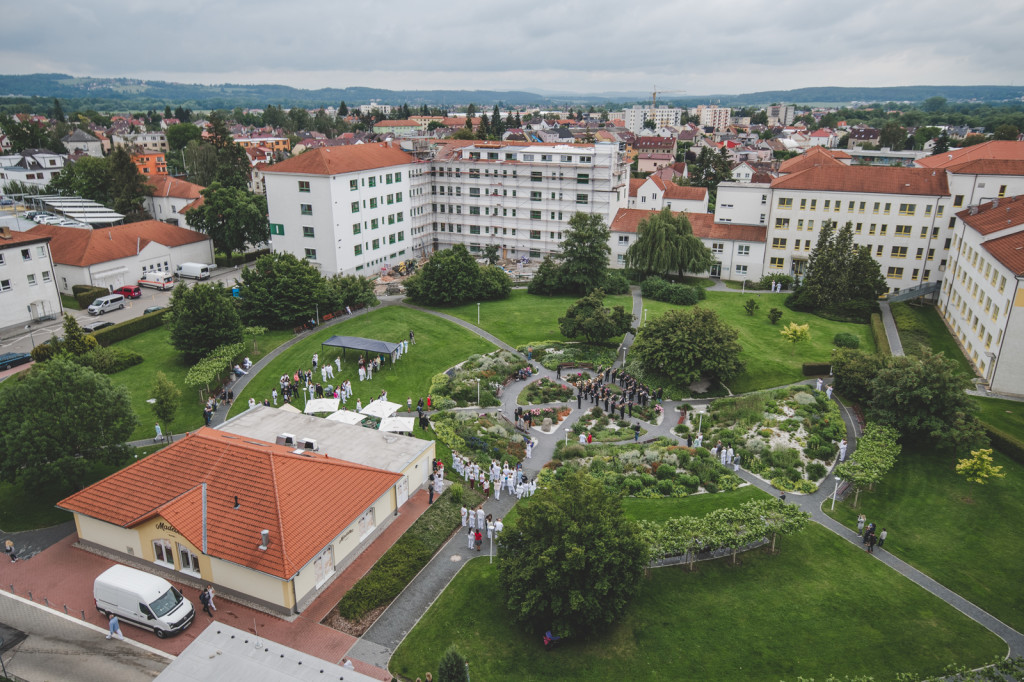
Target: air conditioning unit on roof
point(285, 439)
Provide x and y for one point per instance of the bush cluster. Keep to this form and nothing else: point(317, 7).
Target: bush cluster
point(766, 282)
point(677, 294)
point(234, 259)
point(846, 340)
point(551, 354)
point(86, 294)
point(129, 328)
point(109, 360)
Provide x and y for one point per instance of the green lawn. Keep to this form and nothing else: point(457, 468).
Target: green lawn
point(160, 356)
point(1005, 415)
point(439, 345)
point(69, 302)
point(770, 359)
point(661, 510)
point(820, 607)
point(921, 325)
point(964, 535)
point(522, 318)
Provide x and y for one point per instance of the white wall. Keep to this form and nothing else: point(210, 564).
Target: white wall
point(25, 301)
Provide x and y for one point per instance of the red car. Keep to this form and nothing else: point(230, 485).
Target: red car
point(128, 292)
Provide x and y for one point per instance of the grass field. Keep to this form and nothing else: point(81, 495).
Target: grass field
point(921, 325)
point(661, 510)
point(439, 345)
point(1005, 415)
point(770, 359)
point(820, 607)
point(522, 318)
point(966, 536)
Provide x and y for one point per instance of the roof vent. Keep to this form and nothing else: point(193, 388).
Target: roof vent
point(264, 540)
point(285, 439)
point(972, 210)
point(308, 444)
point(995, 203)
point(236, 502)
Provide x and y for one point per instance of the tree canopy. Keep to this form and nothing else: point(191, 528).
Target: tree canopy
point(280, 291)
point(233, 168)
point(588, 318)
point(59, 419)
point(686, 345)
point(571, 561)
point(665, 244)
point(113, 181)
point(202, 317)
point(234, 218)
point(452, 276)
point(584, 254)
point(876, 453)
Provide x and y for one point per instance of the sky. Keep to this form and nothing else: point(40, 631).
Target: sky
point(555, 46)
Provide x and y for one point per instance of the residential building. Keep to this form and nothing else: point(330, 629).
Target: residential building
point(28, 290)
point(32, 167)
point(781, 114)
point(649, 162)
point(114, 256)
point(150, 163)
point(151, 141)
point(260, 521)
point(655, 193)
point(275, 143)
point(861, 136)
point(81, 142)
point(981, 299)
point(714, 116)
point(172, 198)
point(398, 127)
point(634, 117)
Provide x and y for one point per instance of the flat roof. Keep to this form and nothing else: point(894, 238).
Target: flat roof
point(222, 652)
point(348, 442)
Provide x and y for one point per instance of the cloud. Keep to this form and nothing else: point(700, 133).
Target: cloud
point(571, 46)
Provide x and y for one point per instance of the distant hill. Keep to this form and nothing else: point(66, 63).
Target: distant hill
point(111, 94)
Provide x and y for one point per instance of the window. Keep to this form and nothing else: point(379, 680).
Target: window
point(375, 222)
point(803, 204)
point(882, 231)
point(582, 198)
point(899, 252)
point(776, 263)
point(311, 254)
point(914, 274)
point(535, 196)
point(304, 185)
point(46, 275)
point(355, 207)
point(888, 207)
point(162, 553)
point(391, 197)
point(931, 254)
point(814, 204)
point(623, 239)
point(391, 237)
point(2, 260)
point(583, 178)
point(376, 244)
point(189, 561)
point(388, 178)
point(356, 228)
point(1002, 191)
point(26, 254)
point(307, 231)
point(535, 176)
point(743, 250)
point(860, 209)
point(800, 224)
point(401, 238)
point(878, 253)
point(782, 223)
point(920, 254)
point(306, 209)
point(474, 229)
point(398, 197)
point(5, 285)
point(718, 247)
point(358, 248)
point(535, 215)
point(778, 243)
point(534, 234)
point(828, 204)
point(858, 227)
point(31, 280)
point(473, 210)
point(399, 216)
point(894, 273)
point(372, 182)
point(353, 184)
point(740, 270)
point(621, 259)
point(785, 203)
point(373, 202)
point(903, 230)
point(958, 200)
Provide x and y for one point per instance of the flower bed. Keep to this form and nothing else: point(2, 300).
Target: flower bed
point(658, 469)
point(479, 437)
point(555, 414)
point(545, 391)
point(605, 428)
point(787, 436)
point(460, 383)
point(551, 354)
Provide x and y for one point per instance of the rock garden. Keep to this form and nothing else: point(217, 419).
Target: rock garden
point(546, 391)
point(457, 387)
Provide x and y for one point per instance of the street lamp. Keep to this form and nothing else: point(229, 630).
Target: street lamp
point(31, 336)
point(478, 314)
point(835, 494)
point(478, 392)
point(567, 429)
point(490, 549)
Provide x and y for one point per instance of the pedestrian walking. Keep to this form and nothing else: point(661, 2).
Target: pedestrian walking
point(465, 513)
point(9, 550)
point(861, 521)
point(114, 627)
point(881, 537)
point(818, 383)
point(871, 542)
point(211, 592)
point(828, 392)
point(478, 539)
point(159, 434)
point(412, 337)
point(842, 450)
point(469, 537)
point(430, 489)
point(204, 599)
point(636, 432)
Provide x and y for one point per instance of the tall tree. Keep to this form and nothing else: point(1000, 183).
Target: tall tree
point(571, 560)
point(280, 291)
point(202, 317)
point(342, 109)
point(839, 276)
point(588, 318)
point(232, 217)
point(57, 420)
point(166, 399)
point(893, 136)
point(58, 111)
point(876, 453)
point(665, 243)
point(128, 187)
point(941, 143)
point(453, 667)
point(233, 167)
point(584, 254)
point(686, 345)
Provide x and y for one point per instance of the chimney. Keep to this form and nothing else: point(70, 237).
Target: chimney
point(5, 232)
point(264, 540)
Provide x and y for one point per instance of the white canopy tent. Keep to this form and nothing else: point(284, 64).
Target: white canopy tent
point(346, 417)
point(397, 424)
point(322, 405)
point(379, 409)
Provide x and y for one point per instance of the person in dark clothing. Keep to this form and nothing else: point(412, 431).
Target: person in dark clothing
point(622, 410)
point(579, 400)
point(204, 599)
point(870, 542)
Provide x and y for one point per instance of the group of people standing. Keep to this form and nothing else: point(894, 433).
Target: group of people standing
point(726, 455)
point(866, 531)
point(475, 523)
point(598, 391)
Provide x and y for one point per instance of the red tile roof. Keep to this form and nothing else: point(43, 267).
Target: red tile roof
point(989, 167)
point(866, 179)
point(704, 225)
point(347, 159)
point(674, 191)
point(993, 149)
point(994, 216)
point(304, 502)
point(634, 185)
point(12, 238)
point(82, 247)
point(1009, 251)
point(815, 156)
point(167, 186)
point(397, 123)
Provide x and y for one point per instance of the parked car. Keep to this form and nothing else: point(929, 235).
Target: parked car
point(152, 309)
point(43, 217)
point(96, 326)
point(8, 360)
point(6, 201)
point(106, 303)
point(130, 291)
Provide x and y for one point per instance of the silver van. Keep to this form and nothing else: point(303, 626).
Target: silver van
point(107, 303)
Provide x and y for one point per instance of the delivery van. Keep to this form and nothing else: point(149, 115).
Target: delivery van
point(142, 599)
point(193, 271)
point(157, 280)
point(105, 304)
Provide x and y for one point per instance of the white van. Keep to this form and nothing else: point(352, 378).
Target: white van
point(157, 280)
point(142, 599)
point(193, 271)
point(107, 303)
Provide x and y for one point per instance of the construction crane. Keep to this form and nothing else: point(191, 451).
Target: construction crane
point(656, 92)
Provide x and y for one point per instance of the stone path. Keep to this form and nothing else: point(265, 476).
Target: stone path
point(891, 333)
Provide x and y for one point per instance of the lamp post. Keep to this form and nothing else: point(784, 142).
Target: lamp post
point(478, 313)
point(567, 435)
point(490, 549)
point(478, 392)
point(835, 493)
point(31, 336)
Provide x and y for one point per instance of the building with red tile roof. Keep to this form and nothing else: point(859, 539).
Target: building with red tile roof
point(1009, 150)
point(172, 197)
point(655, 193)
point(813, 157)
point(28, 290)
point(257, 520)
point(115, 256)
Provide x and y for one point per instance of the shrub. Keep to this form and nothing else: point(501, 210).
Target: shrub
point(648, 480)
point(804, 398)
point(109, 360)
point(573, 450)
point(632, 485)
point(816, 368)
point(456, 492)
point(665, 472)
point(615, 283)
point(130, 328)
point(782, 484)
point(878, 331)
point(1006, 443)
point(444, 403)
point(665, 487)
point(45, 351)
point(846, 340)
point(816, 471)
point(234, 259)
point(86, 294)
point(804, 486)
point(782, 457)
point(774, 315)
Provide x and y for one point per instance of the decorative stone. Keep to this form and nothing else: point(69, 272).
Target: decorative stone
point(546, 425)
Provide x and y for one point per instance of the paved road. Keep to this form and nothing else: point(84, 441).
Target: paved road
point(62, 648)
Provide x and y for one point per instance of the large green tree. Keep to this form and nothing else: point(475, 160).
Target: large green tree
point(571, 561)
point(588, 318)
point(280, 291)
point(584, 254)
point(686, 345)
point(200, 162)
point(452, 276)
point(234, 218)
point(202, 317)
point(113, 181)
point(233, 168)
point(876, 453)
point(665, 244)
point(57, 420)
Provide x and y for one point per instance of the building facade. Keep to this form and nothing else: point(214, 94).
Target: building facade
point(28, 289)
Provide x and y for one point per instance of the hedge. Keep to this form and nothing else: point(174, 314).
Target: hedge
point(234, 259)
point(109, 360)
point(1009, 445)
point(129, 328)
point(812, 369)
point(878, 330)
point(86, 294)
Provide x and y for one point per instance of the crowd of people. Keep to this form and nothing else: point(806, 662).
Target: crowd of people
point(597, 391)
point(869, 538)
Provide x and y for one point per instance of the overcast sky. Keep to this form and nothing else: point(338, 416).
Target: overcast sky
point(561, 45)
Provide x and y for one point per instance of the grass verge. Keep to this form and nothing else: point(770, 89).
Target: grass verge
point(920, 325)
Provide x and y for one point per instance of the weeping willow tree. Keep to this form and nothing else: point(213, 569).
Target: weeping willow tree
point(666, 244)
